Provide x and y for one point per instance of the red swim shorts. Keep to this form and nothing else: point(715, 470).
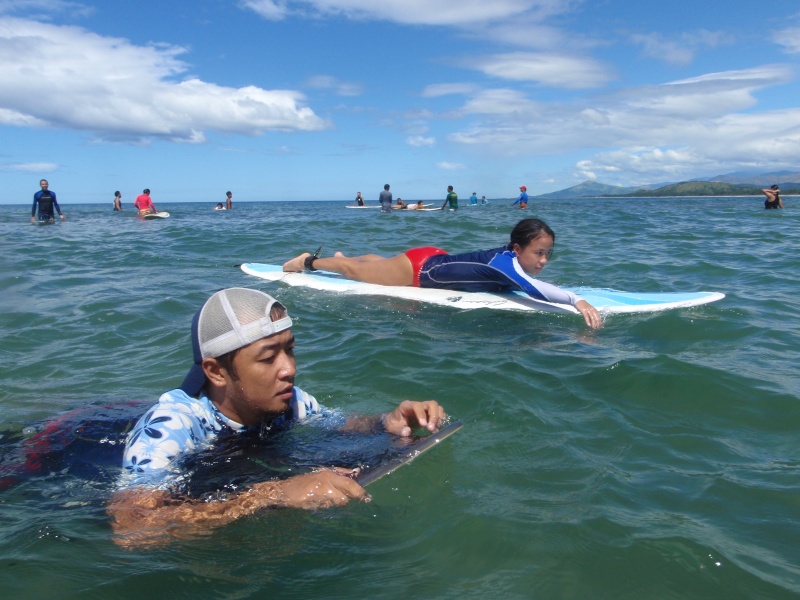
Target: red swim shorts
point(418, 256)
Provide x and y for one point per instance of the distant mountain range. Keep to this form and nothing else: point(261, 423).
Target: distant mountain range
point(732, 184)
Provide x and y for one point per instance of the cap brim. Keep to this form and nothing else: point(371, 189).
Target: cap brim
point(194, 381)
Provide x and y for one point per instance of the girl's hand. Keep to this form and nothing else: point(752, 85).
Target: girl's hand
point(590, 314)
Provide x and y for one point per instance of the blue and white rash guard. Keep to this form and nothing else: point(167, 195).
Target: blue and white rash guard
point(496, 270)
point(180, 424)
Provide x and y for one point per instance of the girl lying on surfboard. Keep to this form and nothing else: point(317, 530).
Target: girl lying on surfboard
point(498, 270)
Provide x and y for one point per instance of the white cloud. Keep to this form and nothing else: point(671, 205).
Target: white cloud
point(268, 9)
point(668, 129)
point(789, 39)
point(44, 9)
point(450, 166)
point(417, 12)
point(552, 70)
point(448, 89)
point(420, 141)
point(30, 167)
point(678, 49)
point(340, 88)
point(68, 77)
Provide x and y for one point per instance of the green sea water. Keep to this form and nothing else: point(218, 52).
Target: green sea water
point(654, 458)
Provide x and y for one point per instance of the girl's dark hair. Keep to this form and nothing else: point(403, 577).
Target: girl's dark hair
point(528, 230)
point(774, 187)
point(117, 194)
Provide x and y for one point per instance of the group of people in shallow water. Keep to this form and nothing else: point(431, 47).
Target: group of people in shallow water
point(385, 200)
point(451, 200)
point(144, 203)
point(242, 380)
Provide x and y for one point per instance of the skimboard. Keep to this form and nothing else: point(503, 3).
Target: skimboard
point(408, 454)
point(607, 301)
point(158, 215)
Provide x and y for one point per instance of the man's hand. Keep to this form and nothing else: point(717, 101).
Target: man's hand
point(410, 414)
point(320, 489)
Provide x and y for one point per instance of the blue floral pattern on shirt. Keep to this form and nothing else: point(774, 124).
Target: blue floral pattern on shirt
point(180, 424)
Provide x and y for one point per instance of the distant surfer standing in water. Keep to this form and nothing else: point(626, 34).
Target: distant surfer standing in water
point(501, 269)
point(117, 201)
point(46, 202)
point(773, 199)
point(359, 199)
point(228, 201)
point(452, 198)
point(385, 199)
point(144, 204)
point(523, 198)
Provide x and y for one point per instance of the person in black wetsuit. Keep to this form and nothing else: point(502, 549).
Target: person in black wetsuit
point(773, 199)
point(117, 201)
point(46, 201)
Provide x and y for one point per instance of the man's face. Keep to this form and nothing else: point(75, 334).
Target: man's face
point(44, 184)
point(265, 372)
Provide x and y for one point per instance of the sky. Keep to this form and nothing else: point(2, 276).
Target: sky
point(281, 100)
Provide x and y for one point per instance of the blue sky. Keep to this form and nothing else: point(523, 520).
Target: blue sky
point(319, 99)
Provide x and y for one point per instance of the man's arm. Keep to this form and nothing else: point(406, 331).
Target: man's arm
point(57, 207)
point(142, 517)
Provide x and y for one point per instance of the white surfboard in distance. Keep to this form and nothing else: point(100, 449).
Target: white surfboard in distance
point(607, 301)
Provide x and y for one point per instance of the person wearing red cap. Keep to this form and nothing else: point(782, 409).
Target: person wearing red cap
point(242, 380)
point(523, 198)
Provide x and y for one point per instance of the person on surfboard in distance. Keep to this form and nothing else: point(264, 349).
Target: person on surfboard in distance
point(242, 380)
point(359, 199)
point(498, 270)
point(144, 204)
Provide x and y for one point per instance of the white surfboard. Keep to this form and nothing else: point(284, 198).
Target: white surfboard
point(351, 206)
point(607, 301)
point(157, 215)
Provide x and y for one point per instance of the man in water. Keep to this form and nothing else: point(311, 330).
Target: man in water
point(386, 199)
point(46, 202)
point(144, 204)
point(523, 198)
point(359, 199)
point(452, 198)
point(228, 201)
point(473, 200)
point(242, 380)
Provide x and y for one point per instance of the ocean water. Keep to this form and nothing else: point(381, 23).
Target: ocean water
point(654, 458)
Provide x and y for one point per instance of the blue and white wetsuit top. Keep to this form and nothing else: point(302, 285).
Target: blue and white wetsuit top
point(496, 270)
